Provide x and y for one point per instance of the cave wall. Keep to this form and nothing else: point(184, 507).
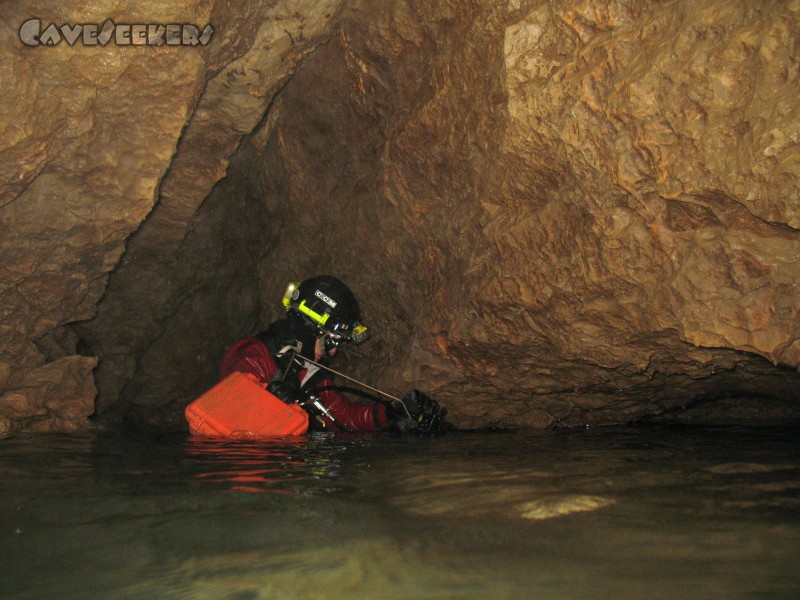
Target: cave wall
point(553, 214)
point(186, 285)
point(82, 158)
point(108, 153)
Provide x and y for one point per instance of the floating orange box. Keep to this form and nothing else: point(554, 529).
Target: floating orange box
point(239, 407)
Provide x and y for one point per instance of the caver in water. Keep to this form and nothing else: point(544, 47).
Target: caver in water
point(322, 316)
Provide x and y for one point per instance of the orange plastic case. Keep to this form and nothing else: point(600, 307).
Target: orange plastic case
point(239, 407)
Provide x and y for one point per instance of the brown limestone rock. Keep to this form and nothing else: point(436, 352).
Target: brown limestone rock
point(89, 134)
point(84, 149)
point(58, 396)
point(178, 281)
point(548, 208)
point(571, 213)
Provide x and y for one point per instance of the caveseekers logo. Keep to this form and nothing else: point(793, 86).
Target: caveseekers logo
point(139, 34)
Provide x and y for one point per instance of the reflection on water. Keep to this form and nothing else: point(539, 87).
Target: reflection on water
point(249, 466)
point(627, 513)
point(485, 488)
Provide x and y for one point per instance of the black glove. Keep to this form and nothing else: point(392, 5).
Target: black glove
point(424, 414)
point(287, 389)
point(399, 418)
point(418, 403)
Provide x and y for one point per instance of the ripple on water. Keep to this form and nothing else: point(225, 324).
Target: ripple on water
point(747, 468)
point(530, 495)
point(559, 506)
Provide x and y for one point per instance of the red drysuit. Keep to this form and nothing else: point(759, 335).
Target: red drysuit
point(252, 356)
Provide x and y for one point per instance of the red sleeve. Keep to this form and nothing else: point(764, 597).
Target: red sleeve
point(249, 356)
point(356, 417)
point(252, 356)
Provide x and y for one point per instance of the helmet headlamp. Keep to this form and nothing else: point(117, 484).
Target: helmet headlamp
point(292, 293)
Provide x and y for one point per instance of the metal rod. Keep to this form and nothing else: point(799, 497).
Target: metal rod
point(361, 383)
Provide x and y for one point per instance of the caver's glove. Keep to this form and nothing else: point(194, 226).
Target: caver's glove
point(287, 389)
point(424, 414)
point(399, 419)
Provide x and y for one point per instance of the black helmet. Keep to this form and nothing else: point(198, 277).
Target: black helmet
point(329, 305)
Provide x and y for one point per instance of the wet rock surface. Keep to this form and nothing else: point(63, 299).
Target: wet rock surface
point(574, 214)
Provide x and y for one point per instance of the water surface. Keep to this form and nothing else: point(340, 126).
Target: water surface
point(664, 512)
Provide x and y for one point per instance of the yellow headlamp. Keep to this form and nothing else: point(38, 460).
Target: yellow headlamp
point(290, 294)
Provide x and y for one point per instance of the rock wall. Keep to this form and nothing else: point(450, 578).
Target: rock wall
point(110, 150)
point(82, 157)
point(555, 215)
point(571, 214)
